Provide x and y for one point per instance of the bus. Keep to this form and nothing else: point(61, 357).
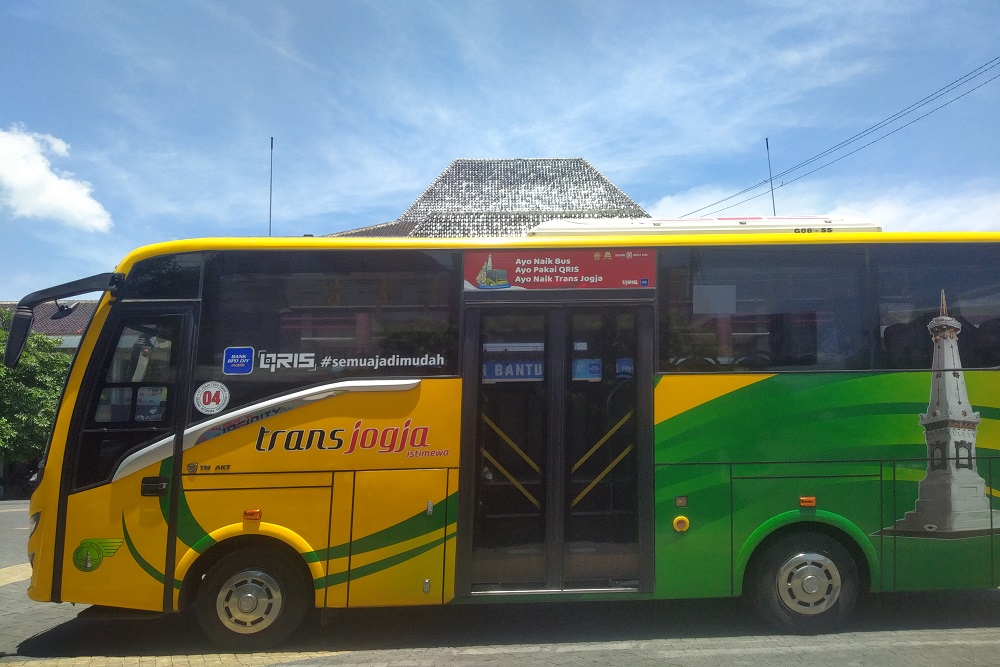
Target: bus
point(796, 411)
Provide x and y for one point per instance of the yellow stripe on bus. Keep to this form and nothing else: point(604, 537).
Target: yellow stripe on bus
point(527, 459)
point(602, 441)
point(517, 484)
point(675, 394)
point(597, 479)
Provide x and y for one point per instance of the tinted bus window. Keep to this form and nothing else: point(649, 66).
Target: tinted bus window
point(132, 402)
point(165, 277)
point(910, 281)
point(763, 309)
point(275, 321)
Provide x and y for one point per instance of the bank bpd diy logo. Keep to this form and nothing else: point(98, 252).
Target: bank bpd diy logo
point(91, 553)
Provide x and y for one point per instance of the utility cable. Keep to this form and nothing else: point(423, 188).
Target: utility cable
point(979, 71)
point(784, 183)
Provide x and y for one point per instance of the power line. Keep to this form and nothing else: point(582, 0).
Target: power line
point(979, 71)
point(873, 141)
point(913, 107)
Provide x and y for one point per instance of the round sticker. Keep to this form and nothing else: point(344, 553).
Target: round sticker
point(211, 397)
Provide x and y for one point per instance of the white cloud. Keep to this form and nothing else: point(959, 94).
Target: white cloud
point(910, 208)
point(31, 188)
point(682, 84)
point(972, 211)
point(682, 203)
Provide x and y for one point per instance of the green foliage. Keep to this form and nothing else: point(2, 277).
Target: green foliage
point(29, 395)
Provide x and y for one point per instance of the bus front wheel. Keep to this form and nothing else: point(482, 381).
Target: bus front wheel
point(804, 583)
point(251, 599)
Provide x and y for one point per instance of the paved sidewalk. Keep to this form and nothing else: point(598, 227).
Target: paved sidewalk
point(888, 649)
point(14, 574)
point(20, 618)
point(908, 630)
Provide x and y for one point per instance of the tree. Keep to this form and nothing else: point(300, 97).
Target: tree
point(29, 395)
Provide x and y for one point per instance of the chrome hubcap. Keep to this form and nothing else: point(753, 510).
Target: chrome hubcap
point(808, 583)
point(249, 601)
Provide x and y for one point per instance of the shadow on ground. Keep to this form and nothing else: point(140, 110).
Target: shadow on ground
point(508, 624)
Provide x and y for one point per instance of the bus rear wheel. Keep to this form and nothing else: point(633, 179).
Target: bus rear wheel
point(805, 583)
point(251, 599)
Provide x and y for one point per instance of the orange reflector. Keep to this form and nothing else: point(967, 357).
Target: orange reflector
point(807, 501)
point(252, 515)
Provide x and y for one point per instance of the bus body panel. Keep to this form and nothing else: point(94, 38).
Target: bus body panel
point(693, 559)
point(352, 431)
point(451, 529)
point(292, 511)
point(282, 468)
point(338, 559)
point(925, 565)
point(398, 537)
point(45, 501)
point(115, 540)
point(41, 544)
point(853, 442)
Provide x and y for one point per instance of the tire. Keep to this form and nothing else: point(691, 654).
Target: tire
point(252, 599)
point(805, 584)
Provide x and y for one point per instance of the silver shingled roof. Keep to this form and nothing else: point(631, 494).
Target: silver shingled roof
point(495, 198)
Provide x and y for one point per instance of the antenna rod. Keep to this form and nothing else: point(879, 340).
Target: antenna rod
point(270, 189)
point(769, 176)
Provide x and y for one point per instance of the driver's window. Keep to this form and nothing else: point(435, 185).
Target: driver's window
point(132, 403)
point(142, 356)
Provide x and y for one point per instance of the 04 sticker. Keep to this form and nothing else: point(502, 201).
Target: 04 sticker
point(211, 398)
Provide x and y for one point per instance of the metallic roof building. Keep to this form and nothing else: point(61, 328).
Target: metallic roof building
point(507, 197)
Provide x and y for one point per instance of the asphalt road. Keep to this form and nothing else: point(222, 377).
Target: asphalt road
point(912, 629)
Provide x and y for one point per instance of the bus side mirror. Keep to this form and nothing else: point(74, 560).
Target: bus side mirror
point(20, 326)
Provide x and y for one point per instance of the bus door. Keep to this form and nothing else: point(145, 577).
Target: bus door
point(116, 530)
point(556, 491)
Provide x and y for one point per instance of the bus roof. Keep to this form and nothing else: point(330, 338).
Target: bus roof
point(623, 238)
point(741, 225)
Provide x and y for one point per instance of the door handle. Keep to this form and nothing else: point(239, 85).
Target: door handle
point(154, 486)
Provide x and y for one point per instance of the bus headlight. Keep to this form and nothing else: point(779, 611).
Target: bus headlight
point(33, 523)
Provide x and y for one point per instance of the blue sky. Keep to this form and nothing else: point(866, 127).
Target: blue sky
point(124, 123)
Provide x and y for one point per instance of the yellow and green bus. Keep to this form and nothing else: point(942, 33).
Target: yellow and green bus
point(794, 411)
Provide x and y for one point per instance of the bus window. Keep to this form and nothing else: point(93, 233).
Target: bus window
point(763, 309)
point(910, 281)
point(132, 402)
point(273, 322)
point(164, 277)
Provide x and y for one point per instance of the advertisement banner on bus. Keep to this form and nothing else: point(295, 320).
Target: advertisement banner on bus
point(548, 269)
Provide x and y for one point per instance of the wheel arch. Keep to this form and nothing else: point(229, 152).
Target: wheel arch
point(833, 525)
point(198, 564)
